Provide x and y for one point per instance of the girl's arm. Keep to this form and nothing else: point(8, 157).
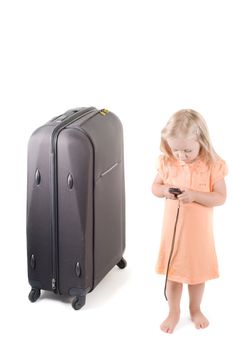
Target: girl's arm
point(209, 199)
point(160, 189)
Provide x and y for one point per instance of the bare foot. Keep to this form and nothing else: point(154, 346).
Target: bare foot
point(199, 319)
point(170, 323)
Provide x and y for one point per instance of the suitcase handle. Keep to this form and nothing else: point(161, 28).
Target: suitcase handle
point(67, 114)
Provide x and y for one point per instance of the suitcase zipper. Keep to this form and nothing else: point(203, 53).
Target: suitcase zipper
point(54, 193)
point(108, 170)
point(102, 112)
point(53, 284)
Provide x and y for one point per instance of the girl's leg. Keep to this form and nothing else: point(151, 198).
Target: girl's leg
point(174, 291)
point(195, 297)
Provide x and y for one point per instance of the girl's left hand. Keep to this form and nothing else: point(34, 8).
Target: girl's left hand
point(186, 196)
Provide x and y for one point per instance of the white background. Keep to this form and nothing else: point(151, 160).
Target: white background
point(143, 60)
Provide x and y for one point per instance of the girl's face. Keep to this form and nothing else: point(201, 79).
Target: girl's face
point(183, 149)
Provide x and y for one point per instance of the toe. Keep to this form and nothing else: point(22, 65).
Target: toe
point(163, 328)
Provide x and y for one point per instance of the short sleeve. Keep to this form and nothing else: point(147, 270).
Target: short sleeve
point(160, 166)
point(219, 171)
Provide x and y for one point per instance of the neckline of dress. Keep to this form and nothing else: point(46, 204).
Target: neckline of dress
point(195, 163)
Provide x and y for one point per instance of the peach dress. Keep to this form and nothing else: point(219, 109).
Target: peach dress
point(194, 258)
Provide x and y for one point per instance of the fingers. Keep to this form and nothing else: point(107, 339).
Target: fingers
point(172, 196)
point(184, 198)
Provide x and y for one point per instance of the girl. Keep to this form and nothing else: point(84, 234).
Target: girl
point(189, 163)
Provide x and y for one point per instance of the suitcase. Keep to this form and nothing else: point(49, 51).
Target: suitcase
point(75, 203)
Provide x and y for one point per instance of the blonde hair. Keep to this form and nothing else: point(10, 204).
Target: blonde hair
point(188, 123)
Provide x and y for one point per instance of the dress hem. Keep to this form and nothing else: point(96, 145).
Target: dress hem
point(180, 279)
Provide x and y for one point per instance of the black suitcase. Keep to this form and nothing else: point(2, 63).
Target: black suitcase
point(75, 203)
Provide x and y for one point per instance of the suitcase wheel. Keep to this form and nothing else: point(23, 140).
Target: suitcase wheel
point(34, 294)
point(122, 263)
point(78, 302)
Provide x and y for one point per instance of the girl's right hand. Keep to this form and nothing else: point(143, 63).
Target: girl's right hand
point(166, 192)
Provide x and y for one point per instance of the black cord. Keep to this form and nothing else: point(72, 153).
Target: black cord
point(171, 251)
